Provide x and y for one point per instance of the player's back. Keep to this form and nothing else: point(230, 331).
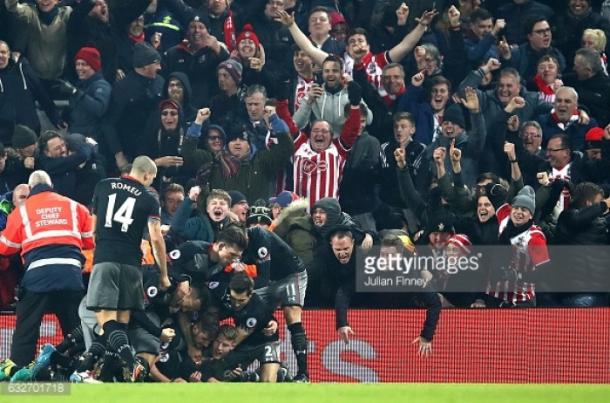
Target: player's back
point(122, 207)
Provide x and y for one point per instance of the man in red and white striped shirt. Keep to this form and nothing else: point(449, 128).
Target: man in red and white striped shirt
point(529, 251)
point(319, 160)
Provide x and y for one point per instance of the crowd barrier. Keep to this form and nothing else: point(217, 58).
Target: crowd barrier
point(488, 346)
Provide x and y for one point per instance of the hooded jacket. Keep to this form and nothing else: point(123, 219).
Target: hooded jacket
point(329, 107)
point(189, 112)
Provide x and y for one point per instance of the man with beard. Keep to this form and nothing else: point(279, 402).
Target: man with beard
point(197, 56)
point(163, 143)
point(178, 89)
point(328, 101)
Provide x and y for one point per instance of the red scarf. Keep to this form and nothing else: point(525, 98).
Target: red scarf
point(137, 39)
point(388, 99)
point(542, 86)
point(229, 32)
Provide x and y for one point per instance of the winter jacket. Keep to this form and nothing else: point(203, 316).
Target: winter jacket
point(46, 44)
point(493, 109)
point(134, 98)
point(574, 130)
point(525, 60)
point(89, 106)
point(19, 89)
point(360, 173)
point(199, 66)
point(255, 177)
point(594, 94)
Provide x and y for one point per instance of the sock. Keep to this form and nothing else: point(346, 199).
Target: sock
point(61, 360)
point(117, 340)
point(299, 346)
point(72, 338)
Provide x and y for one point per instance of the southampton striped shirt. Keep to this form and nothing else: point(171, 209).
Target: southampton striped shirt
point(317, 174)
point(529, 250)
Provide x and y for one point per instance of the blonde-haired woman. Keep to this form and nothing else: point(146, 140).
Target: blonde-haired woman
point(596, 39)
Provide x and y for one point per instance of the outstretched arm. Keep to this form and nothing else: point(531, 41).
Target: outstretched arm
point(398, 52)
point(301, 39)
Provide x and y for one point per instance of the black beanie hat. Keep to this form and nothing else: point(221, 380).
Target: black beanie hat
point(23, 136)
point(144, 54)
point(455, 115)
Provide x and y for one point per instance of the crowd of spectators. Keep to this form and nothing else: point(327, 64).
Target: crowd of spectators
point(334, 124)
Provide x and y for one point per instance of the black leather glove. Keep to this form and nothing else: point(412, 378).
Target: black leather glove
point(66, 88)
point(354, 93)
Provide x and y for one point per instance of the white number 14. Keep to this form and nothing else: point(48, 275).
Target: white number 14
point(122, 215)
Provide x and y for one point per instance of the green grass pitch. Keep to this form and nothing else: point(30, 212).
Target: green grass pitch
point(320, 393)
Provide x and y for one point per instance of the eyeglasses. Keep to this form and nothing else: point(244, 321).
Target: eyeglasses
point(169, 113)
point(545, 31)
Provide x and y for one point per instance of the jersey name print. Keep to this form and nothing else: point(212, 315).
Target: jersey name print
point(122, 207)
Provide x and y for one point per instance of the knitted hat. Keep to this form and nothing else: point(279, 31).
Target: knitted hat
point(248, 33)
point(258, 215)
point(593, 138)
point(23, 136)
point(526, 198)
point(440, 222)
point(462, 242)
point(168, 104)
point(284, 199)
point(91, 56)
point(236, 131)
point(454, 115)
point(234, 68)
point(336, 18)
point(144, 54)
point(237, 197)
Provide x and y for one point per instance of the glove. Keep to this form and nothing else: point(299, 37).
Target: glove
point(496, 194)
point(66, 88)
point(354, 93)
point(283, 90)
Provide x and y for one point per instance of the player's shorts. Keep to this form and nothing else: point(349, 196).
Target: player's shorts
point(115, 287)
point(289, 291)
point(141, 340)
point(266, 353)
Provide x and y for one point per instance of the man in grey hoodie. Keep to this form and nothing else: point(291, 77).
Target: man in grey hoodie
point(327, 102)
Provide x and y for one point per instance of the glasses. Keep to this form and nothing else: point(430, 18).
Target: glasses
point(541, 32)
point(169, 113)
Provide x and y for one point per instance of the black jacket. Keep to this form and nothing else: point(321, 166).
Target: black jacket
point(134, 98)
point(594, 94)
point(19, 89)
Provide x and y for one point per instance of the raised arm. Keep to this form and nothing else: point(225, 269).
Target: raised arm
point(398, 52)
point(301, 39)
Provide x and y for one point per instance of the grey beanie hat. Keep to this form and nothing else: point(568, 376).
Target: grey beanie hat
point(144, 54)
point(526, 198)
